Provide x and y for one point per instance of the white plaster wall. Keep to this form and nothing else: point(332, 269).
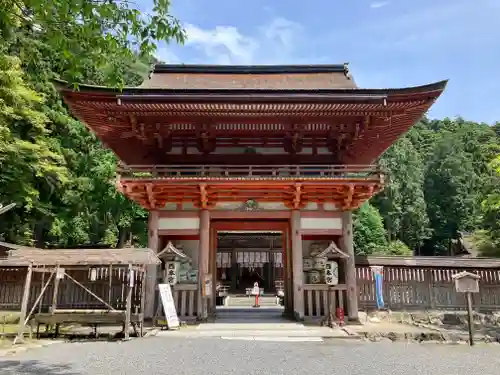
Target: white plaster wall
point(171, 223)
point(314, 223)
point(330, 207)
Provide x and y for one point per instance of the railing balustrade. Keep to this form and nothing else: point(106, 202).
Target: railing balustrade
point(249, 171)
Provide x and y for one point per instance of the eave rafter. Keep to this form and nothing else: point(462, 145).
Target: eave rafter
point(136, 120)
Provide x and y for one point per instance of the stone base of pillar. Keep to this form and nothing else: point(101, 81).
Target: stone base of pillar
point(298, 317)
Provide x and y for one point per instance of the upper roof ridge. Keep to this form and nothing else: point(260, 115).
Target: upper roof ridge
point(251, 69)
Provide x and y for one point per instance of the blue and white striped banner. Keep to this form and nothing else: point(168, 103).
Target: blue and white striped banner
point(378, 274)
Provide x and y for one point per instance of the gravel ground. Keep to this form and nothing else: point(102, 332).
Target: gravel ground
point(206, 356)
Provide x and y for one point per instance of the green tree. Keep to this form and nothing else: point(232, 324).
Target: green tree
point(368, 229)
point(30, 159)
point(450, 190)
point(91, 34)
point(397, 248)
point(402, 203)
point(113, 46)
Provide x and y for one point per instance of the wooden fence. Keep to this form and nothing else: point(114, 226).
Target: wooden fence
point(110, 285)
point(422, 283)
point(409, 284)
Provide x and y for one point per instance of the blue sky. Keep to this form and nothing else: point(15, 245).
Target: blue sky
point(390, 43)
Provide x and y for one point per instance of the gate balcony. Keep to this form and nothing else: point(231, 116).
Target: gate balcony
point(152, 186)
point(367, 172)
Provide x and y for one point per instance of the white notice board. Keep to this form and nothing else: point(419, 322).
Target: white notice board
point(167, 301)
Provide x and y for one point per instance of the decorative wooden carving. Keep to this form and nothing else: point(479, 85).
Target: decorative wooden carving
point(163, 138)
point(205, 140)
point(249, 205)
point(293, 141)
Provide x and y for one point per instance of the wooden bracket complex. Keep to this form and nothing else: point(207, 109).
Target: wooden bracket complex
point(297, 196)
point(203, 196)
point(151, 199)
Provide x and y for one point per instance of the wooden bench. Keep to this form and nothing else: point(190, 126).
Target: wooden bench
point(92, 318)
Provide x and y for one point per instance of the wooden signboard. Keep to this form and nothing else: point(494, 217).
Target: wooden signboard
point(60, 273)
point(167, 301)
point(207, 285)
point(468, 283)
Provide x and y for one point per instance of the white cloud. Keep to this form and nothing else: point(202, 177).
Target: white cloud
point(279, 41)
point(222, 45)
point(379, 4)
point(165, 55)
point(282, 32)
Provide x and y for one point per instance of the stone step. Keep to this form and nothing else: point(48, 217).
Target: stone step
point(246, 301)
point(250, 325)
point(257, 332)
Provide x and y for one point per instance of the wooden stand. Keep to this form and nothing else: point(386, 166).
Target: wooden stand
point(329, 320)
point(470, 318)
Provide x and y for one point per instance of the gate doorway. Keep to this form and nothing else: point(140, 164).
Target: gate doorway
point(243, 258)
point(245, 252)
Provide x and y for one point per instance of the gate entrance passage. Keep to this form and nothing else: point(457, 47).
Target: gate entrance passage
point(246, 258)
point(249, 253)
point(250, 273)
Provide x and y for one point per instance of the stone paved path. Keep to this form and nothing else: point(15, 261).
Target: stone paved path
point(181, 356)
point(258, 323)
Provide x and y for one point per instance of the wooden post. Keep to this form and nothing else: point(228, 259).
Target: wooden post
point(24, 305)
point(143, 297)
point(432, 299)
point(53, 307)
point(130, 286)
point(110, 284)
point(350, 272)
point(42, 284)
point(298, 273)
point(470, 318)
point(151, 270)
point(203, 260)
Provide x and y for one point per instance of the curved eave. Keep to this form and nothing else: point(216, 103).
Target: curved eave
point(156, 95)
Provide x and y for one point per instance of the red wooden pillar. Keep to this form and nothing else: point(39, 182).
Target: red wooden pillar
point(203, 262)
point(350, 272)
point(298, 273)
point(151, 270)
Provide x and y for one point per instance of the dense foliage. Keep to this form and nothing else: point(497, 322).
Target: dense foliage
point(442, 187)
point(442, 177)
point(57, 172)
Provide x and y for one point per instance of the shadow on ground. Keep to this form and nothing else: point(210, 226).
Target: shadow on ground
point(34, 368)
